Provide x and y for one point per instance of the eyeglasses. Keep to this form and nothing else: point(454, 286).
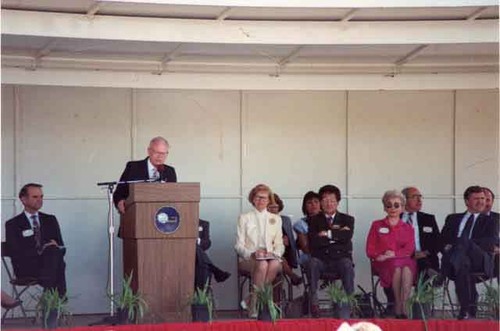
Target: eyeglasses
point(260, 197)
point(395, 205)
point(415, 196)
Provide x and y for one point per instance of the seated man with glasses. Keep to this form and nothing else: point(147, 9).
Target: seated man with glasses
point(330, 241)
point(151, 168)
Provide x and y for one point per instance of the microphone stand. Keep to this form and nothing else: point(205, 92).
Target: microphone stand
point(111, 319)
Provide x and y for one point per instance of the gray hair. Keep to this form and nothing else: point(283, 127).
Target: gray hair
point(157, 140)
point(407, 189)
point(391, 194)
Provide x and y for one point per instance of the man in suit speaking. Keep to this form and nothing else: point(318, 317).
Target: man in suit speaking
point(152, 167)
point(35, 243)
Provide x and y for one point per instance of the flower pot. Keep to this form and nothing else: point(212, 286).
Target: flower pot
point(122, 316)
point(50, 321)
point(341, 310)
point(200, 313)
point(417, 309)
point(264, 314)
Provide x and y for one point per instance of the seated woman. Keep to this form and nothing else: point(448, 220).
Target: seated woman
point(290, 256)
point(390, 246)
point(259, 240)
point(310, 207)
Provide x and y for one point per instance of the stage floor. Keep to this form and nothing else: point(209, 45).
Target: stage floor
point(81, 322)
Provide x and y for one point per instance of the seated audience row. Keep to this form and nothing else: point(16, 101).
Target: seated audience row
point(401, 246)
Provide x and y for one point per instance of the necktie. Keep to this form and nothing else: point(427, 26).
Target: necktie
point(329, 220)
point(410, 220)
point(468, 227)
point(156, 174)
point(37, 232)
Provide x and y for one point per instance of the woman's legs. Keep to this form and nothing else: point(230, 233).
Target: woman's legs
point(396, 287)
point(406, 284)
point(273, 268)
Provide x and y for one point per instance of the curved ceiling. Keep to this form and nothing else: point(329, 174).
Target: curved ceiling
point(272, 38)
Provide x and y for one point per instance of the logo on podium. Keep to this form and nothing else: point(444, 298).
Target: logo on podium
point(167, 220)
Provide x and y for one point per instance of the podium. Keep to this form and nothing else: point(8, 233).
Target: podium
point(162, 261)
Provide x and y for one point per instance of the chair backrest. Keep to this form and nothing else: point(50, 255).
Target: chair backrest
point(5, 255)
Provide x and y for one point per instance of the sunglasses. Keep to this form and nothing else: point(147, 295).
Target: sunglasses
point(396, 205)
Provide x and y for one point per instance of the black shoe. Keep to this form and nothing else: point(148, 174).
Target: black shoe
point(402, 317)
point(464, 316)
point(221, 276)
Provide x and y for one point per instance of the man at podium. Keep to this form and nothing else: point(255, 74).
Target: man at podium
point(152, 167)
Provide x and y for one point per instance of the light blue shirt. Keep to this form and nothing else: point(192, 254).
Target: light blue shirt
point(464, 221)
point(414, 224)
point(28, 215)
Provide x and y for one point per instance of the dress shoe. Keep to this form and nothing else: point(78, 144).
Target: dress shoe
point(401, 317)
point(464, 316)
point(12, 304)
point(221, 276)
point(314, 311)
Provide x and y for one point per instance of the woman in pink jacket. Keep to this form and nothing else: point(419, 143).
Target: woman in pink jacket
point(390, 246)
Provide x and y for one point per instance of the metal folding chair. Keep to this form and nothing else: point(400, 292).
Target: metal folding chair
point(21, 286)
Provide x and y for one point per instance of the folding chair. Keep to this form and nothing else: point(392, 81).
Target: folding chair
point(447, 297)
point(20, 285)
point(378, 305)
point(245, 279)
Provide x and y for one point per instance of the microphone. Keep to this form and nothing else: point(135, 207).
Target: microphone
point(161, 169)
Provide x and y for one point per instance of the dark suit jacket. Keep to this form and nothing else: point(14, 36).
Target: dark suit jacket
point(478, 249)
point(204, 235)
point(321, 247)
point(138, 170)
point(429, 241)
point(23, 248)
point(483, 234)
point(291, 251)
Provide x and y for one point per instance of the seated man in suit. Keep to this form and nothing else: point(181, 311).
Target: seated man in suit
point(469, 240)
point(35, 243)
point(494, 217)
point(204, 266)
point(330, 241)
point(151, 168)
point(427, 237)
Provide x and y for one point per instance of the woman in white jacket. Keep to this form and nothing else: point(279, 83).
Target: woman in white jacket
point(259, 239)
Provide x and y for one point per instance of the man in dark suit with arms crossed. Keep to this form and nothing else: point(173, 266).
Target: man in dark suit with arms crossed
point(35, 243)
point(330, 240)
point(468, 239)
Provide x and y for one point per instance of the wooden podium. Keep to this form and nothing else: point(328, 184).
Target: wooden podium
point(162, 264)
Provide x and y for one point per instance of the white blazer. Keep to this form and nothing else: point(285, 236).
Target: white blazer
point(247, 236)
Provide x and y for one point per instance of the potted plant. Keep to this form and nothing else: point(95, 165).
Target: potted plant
point(267, 310)
point(341, 301)
point(420, 302)
point(52, 307)
point(131, 306)
point(202, 304)
point(490, 299)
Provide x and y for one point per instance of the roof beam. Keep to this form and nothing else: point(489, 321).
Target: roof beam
point(250, 81)
point(246, 32)
point(321, 3)
point(477, 13)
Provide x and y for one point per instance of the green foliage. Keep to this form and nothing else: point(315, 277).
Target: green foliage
point(49, 301)
point(264, 298)
point(490, 299)
point(338, 295)
point(424, 293)
point(132, 302)
point(202, 296)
